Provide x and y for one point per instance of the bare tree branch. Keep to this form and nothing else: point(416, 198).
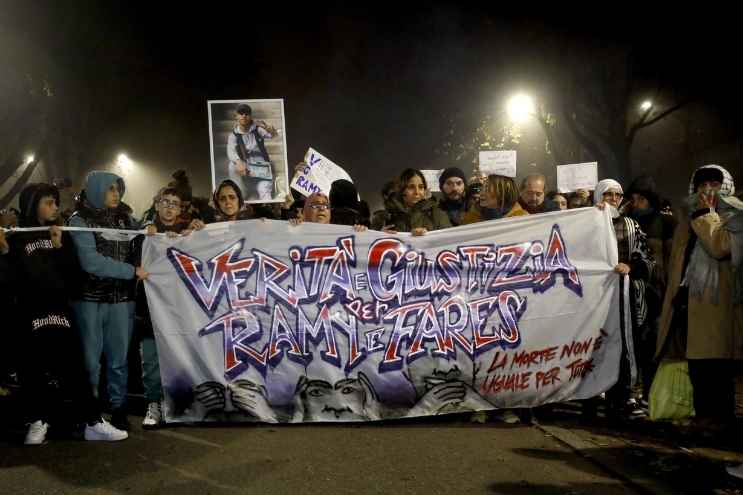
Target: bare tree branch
point(582, 137)
point(549, 133)
point(665, 113)
point(19, 184)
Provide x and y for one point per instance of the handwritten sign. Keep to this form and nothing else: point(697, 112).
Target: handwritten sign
point(318, 174)
point(432, 179)
point(498, 163)
point(577, 176)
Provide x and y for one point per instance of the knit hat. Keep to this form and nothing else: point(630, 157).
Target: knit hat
point(448, 173)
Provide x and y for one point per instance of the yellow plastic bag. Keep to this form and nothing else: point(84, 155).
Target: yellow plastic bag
point(671, 394)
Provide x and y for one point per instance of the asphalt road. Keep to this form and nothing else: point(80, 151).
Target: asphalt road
point(423, 457)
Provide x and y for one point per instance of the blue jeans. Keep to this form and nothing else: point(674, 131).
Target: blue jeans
point(106, 329)
point(153, 390)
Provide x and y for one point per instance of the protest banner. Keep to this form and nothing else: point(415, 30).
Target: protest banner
point(263, 321)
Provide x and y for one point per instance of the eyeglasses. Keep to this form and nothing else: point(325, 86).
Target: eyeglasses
point(319, 207)
point(170, 204)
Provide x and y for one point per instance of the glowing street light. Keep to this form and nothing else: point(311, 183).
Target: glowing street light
point(646, 105)
point(520, 107)
point(124, 163)
point(30, 158)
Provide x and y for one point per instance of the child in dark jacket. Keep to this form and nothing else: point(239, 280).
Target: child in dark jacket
point(46, 275)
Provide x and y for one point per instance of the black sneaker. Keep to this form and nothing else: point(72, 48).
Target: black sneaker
point(119, 419)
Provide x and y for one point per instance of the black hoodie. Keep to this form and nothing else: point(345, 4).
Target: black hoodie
point(43, 275)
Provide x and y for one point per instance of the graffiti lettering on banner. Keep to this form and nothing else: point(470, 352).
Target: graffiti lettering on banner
point(371, 326)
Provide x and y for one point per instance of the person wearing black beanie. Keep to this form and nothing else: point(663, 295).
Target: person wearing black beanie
point(344, 203)
point(453, 202)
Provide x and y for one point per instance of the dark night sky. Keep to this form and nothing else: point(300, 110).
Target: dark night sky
point(371, 89)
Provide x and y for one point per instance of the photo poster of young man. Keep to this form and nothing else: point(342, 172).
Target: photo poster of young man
point(248, 145)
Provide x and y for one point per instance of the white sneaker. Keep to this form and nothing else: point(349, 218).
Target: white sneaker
point(508, 416)
point(154, 415)
point(104, 431)
point(36, 434)
point(479, 417)
point(736, 471)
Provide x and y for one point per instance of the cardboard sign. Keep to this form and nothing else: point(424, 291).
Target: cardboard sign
point(577, 176)
point(318, 175)
point(498, 163)
point(432, 179)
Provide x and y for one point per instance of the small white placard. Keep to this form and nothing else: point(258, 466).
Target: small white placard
point(432, 179)
point(498, 163)
point(318, 175)
point(576, 176)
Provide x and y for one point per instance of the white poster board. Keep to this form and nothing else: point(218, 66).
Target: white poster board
point(577, 176)
point(318, 174)
point(432, 179)
point(501, 162)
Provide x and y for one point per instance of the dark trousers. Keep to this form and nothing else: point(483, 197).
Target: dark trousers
point(618, 395)
point(645, 344)
point(53, 370)
point(713, 381)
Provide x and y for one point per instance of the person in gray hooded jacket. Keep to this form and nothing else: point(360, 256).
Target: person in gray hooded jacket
point(105, 309)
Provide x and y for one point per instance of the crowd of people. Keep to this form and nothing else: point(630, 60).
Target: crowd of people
point(78, 299)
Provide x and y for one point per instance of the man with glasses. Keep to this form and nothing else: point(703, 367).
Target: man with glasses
point(168, 208)
point(250, 166)
point(317, 209)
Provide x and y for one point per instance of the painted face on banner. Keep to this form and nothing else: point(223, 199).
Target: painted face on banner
point(343, 400)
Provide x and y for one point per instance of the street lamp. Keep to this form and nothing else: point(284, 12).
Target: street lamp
point(30, 158)
point(646, 105)
point(520, 107)
point(124, 163)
